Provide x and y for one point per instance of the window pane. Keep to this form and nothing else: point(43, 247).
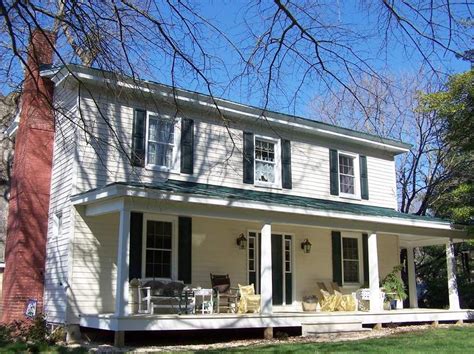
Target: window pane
point(264, 172)
point(160, 154)
point(347, 184)
point(350, 248)
point(351, 271)
point(161, 130)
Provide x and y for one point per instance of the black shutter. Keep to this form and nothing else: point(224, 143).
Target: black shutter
point(248, 157)
point(334, 172)
point(286, 164)
point(138, 138)
point(364, 182)
point(136, 237)
point(185, 231)
point(336, 258)
point(187, 146)
point(365, 255)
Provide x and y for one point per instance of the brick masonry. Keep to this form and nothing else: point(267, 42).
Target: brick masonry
point(25, 249)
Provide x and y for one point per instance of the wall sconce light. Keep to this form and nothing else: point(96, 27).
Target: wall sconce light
point(306, 246)
point(242, 242)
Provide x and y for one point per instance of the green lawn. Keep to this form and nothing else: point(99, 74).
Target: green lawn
point(454, 339)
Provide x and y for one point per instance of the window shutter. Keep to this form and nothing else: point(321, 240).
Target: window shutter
point(136, 237)
point(185, 232)
point(336, 258)
point(138, 138)
point(365, 255)
point(364, 182)
point(286, 164)
point(334, 172)
point(187, 146)
point(248, 158)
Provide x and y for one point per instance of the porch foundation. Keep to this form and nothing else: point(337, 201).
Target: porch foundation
point(119, 338)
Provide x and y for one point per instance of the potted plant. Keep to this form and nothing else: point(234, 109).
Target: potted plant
point(310, 303)
point(393, 286)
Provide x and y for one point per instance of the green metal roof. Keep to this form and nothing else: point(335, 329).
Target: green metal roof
point(237, 194)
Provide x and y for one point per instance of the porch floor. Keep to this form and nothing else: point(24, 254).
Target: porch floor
point(279, 318)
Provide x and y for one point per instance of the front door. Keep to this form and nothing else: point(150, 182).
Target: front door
point(282, 267)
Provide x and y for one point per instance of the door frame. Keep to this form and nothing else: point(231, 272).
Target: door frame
point(257, 262)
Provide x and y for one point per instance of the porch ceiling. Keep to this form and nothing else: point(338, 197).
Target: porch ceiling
point(254, 205)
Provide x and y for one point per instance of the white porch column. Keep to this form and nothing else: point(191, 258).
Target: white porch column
point(375, 301)
point(121, 293)
point(266, 269)
point(452, 283)
point(412, 294)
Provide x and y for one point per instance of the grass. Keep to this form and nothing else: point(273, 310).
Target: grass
point(454, 339)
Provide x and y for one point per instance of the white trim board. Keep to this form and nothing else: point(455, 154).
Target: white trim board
point(289, 319)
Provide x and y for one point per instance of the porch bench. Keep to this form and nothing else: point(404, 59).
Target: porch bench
point(160, 294)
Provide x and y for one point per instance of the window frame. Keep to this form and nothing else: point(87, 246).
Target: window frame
point(174, 244)
point(277, 162)
point(360, 254)
point(355, 158)
point(176, 153)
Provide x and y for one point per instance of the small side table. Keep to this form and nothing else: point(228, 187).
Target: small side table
point(203, 301)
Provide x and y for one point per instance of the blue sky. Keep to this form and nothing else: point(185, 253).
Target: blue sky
point(397, 59)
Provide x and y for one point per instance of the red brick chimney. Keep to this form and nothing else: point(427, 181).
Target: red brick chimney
point(25, 249)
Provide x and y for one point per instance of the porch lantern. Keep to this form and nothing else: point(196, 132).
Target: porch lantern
point(242, 241)
point(306, 246)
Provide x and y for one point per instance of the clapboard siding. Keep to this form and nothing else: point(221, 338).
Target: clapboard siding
point(94, 268)
point(218, 154)
point(57, 247)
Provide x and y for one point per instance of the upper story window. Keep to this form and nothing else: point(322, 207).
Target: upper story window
point(351, 260)
point(267, 162)
point(346, 174)
point(162, 142)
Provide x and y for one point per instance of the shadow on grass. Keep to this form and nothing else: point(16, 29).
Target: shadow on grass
point(454, 339)
point(22, 347)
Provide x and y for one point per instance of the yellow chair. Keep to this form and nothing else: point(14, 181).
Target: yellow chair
point(249, 301)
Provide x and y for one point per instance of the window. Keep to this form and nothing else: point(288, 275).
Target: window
point(351, 260)
point(158, 249)
point(267, 162)
point(161, 141)
point(346, 174)
point(287, 254)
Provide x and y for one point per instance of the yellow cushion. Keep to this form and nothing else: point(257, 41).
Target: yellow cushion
point(325, 294)
point(246, 290)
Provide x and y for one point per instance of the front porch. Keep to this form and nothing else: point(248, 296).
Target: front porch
point(107, 229)
point(326, 321)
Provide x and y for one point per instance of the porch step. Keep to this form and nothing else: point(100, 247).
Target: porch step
point(308, 329)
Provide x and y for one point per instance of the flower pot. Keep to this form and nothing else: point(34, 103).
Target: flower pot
point(309, 306)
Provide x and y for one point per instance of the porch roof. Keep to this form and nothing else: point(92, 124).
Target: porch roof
point(237, 194)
